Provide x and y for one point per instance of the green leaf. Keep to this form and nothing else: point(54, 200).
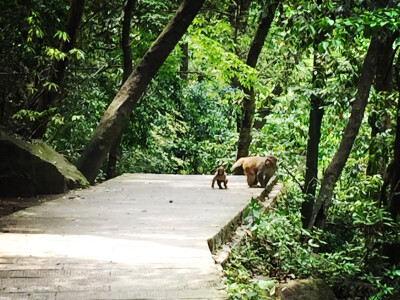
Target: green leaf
point(51, 86)
point(79, 54)
point(321, 48)
point(273, 290)
point(312, 29)
point(266, 284)
point(62, 35)
point(312, 244)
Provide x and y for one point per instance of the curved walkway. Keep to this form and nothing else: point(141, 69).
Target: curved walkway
point(138, 236)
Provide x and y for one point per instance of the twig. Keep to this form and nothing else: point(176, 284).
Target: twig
point(294, 178)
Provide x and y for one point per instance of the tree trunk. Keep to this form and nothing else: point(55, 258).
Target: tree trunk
point(115, 151)
point(394, 200)
point(125, 41)
point(391, 249)
point(184, 61)
point(114, 118)
point(334, 169)
point(246, 123)
point(314, 135)
point(47, 99)
point(248, 103)
point(238, 11)
point(378, 155)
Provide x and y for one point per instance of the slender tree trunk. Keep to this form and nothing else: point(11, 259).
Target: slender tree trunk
point(246, 123)
point(314, 132)
point(125, 41)
point(314, 135)
point(238, 10)
point(394, 200)
point(184, 61)
point(114, 118)
point(378, 155)
point(47, 99)
point(248, 103)
point(334, 169)
point(392, 178)
point(115, 151)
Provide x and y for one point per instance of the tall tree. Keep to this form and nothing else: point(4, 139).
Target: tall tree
point(127, 63)
point(238, 12)
point(392, 179)
point(379, 119)
point(46, 98)
point(314, 128)
point(394, 199)
point(184, 61)
point(114, 118)
point(336, 166)
point(314, 135)
point(248, 103)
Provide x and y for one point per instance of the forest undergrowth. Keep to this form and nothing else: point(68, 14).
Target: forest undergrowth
point(348, 254)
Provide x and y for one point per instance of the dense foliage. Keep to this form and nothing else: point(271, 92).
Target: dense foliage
point(347, 254)
point(188, 119)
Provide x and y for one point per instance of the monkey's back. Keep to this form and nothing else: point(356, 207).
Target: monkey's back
point(253, 163)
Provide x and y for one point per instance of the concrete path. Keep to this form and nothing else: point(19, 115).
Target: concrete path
point(138, 236)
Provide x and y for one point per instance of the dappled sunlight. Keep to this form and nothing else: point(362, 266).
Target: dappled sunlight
point(90, 247)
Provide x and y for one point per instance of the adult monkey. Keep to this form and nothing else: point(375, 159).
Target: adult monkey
point(257, 169)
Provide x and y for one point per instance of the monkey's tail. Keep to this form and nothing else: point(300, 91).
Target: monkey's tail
point(238, 163)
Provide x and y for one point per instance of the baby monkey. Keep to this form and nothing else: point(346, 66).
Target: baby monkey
point(220, 177)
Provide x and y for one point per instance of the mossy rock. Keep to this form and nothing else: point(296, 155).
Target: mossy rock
point(306, 289)
point(33, 168)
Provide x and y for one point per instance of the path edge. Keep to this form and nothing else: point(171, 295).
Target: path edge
point(232, 234)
